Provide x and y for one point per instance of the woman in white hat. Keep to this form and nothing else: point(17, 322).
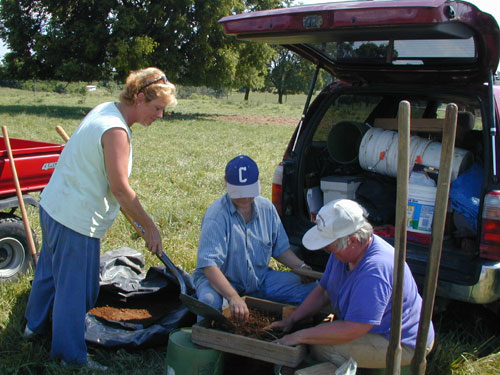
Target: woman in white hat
point(357, 283)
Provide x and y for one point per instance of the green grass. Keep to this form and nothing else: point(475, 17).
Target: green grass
point(178, 172)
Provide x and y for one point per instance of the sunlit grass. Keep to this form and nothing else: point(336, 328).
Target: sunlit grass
point(178, 172)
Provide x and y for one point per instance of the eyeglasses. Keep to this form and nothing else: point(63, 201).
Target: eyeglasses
point(162, 78)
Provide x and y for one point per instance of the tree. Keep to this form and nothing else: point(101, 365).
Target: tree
point(288, 73)
point(253, 58)
point(252, 66)
point(54, 39)
point(98, 39)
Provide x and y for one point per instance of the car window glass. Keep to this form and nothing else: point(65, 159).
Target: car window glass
point(468, 116)
point(355, 108)
point(360, 108)
point(400, 52)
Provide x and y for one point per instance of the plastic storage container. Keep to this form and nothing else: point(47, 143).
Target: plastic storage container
point(339, 187)
point(421, 201)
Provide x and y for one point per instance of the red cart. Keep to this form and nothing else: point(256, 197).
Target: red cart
point(35, 161)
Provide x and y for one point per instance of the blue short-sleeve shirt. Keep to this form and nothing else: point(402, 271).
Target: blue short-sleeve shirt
point(364, 294)
point(242, 251)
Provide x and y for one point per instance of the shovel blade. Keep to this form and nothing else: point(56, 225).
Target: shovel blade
point(199, 308)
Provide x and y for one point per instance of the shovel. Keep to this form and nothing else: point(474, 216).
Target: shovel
point(194, 305)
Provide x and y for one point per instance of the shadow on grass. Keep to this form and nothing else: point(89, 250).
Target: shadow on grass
point(189, 117)
point(464, 332)
point(77, 113)
point(65, 112)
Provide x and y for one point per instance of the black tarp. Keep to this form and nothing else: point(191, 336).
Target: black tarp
point(125, 284)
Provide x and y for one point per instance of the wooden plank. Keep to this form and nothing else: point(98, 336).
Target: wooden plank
point(325, 368)
point(249, 347)
point(203, 334)
point(258, 304)
point(429, 125)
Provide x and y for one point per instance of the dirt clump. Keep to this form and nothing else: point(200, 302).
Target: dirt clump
point(257, 326)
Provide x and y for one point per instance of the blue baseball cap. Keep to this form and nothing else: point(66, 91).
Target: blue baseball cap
point(242, 178)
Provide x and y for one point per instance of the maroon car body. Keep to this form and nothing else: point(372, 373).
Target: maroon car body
point(429, 52)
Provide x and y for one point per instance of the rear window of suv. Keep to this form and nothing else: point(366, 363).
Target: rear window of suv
point(364, 109)
point(400, 52)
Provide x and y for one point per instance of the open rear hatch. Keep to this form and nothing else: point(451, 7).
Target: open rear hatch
point(363, 41)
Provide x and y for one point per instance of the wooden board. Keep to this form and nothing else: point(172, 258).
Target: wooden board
point(325, 368)
point(203, 334)
point(428, 125)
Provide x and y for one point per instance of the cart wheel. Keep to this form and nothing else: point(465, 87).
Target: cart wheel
point(15, 254)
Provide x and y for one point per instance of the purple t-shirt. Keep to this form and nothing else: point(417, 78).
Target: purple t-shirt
point(364, 295)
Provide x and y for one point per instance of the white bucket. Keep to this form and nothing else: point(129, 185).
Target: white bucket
point(462, 159)
point(378, 152)
point(375, 150)
point(421, 201)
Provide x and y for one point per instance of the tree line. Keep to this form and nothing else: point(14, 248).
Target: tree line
point(95, 40)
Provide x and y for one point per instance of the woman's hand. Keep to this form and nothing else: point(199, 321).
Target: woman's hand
point(290, 340)
point(284, 325)
point(153, 240)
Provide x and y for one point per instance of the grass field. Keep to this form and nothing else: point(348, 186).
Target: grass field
point(178, 172)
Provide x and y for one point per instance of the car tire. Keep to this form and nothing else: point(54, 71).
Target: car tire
point(15, 255)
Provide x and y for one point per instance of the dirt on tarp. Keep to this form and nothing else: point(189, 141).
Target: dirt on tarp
point(145, 311)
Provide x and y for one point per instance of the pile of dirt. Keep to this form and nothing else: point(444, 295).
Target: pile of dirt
point(145, 311)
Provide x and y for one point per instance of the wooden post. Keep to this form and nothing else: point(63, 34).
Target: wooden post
point(29, 236)
point(419, 361)
point(393, 360)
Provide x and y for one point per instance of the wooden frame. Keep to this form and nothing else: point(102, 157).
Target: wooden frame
point(203, 334)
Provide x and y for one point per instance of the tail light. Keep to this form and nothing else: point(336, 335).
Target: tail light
point(277, 191)
point(490, 234)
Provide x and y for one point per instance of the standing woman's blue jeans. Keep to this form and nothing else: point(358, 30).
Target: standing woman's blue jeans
point(65, 287)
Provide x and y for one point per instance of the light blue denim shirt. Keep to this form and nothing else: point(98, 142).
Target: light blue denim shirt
point(242, 251)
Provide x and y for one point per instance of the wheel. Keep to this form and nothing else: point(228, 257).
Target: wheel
point(15, 255)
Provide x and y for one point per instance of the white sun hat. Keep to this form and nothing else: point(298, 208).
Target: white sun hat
point(336, 219)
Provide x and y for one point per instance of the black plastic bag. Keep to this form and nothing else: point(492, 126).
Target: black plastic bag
point(124, 285)
point(377, 194)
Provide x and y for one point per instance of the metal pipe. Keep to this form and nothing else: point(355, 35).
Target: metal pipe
point(306, 105)
point(493, 128)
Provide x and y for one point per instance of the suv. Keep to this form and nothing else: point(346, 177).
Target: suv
point(430, 53)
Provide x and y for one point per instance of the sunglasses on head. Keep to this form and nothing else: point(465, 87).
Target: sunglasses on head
point(162, 78)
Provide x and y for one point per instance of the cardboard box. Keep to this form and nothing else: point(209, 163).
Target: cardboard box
point(203, 334)
point(339, 187)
